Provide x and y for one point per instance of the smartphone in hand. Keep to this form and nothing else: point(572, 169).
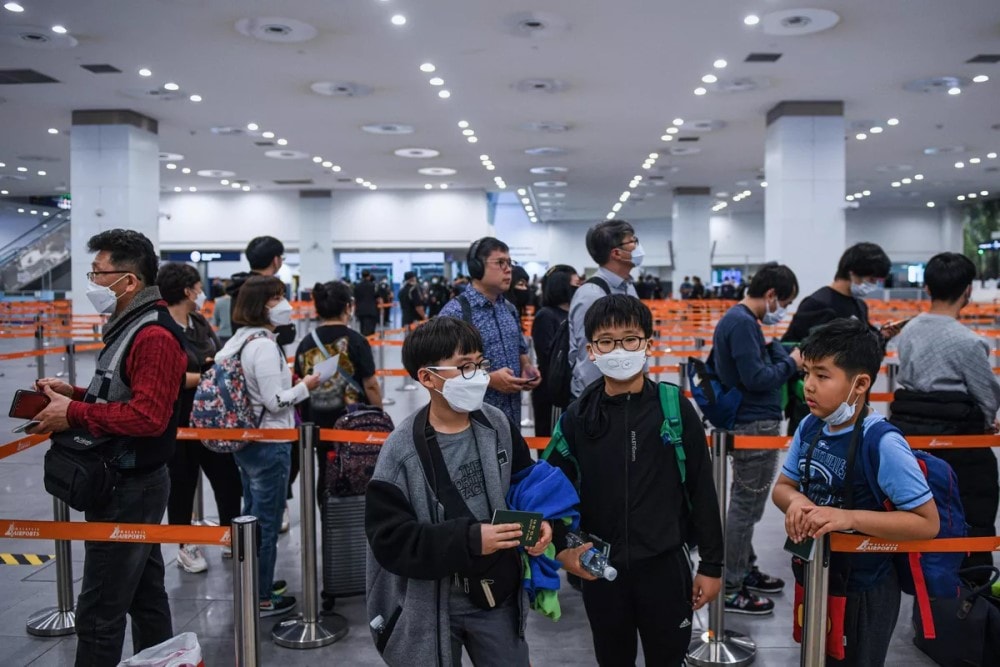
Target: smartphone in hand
point(27, 404)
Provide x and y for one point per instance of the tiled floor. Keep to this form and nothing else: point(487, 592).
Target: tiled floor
point(202, 603)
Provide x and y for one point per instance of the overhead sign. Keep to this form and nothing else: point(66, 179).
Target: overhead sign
point(202, 256)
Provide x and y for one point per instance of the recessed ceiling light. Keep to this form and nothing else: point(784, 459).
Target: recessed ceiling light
point(427, 67)
point(719, 64)
point(53, 130)
point(235, 186)
point(876, 130)
point(282, 142)
point(145, 71)
point(906, 181)
point(224, 181)
point(327, 164)
point(896, 184)
point(981, 78)
point(700, 91)
point(468, 133)
point(678, 121)
point(4, 192)
point(763, 184)
point(171, 86)
point(317, 159)
point(522, 191)
point(436, 81)
point(463, 124)
point(654, 156)
point(443, 186)
point(436, 171)
point(918, 177)
point(13, 7)
point(416, 152)
point(171, 165)
point(59, 30)
point(974, 160)
point(192, 189)
point(195, 98)
point(985, 193)
point(444, 94)
point(20, 210)
point(954, 90)
point(709, 78)
point(971, 195)
point(892, 121)
point(253, 127)
point(268, 135)
point(672, 130)
point(751, 19)
point(246, 188)
point(42, 173)
point(428, 186)
point(960, 197)
point(525, 200)
point(858, 195)
point(177, 188)
point(930, 204)
point(398, 19)
point(666, 137)
point(335, 168)
point(861, 136)
point(484, 157)
point(186, 170)
point(359, 180)
point(866, 193)
point(472, 140)
point(959, 165)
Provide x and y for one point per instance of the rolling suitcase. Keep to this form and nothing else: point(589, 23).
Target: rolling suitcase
point(347, 469)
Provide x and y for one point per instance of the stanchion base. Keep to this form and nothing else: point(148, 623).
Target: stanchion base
point(203, 522)
point(388, 401)
point(296, 633)
point(51, 622)
point(733, 649)
point(408, 387)
point(527, 423)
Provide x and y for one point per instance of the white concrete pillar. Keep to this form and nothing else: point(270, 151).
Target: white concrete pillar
point(952, 231)
point(804, 165)
point(691, 235)
point(316, 263)
point(114, 182)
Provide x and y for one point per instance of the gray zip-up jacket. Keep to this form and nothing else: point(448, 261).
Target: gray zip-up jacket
point(413, 551)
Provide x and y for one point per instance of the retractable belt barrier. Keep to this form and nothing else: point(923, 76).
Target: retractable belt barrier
point(92, 531)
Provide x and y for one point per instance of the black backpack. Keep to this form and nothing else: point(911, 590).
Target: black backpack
point(560, 377)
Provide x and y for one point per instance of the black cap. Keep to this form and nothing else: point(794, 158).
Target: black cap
point(409, 274)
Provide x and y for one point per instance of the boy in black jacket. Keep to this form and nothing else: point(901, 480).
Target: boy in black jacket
point(632, 496)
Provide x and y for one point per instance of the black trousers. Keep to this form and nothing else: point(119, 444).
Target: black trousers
point(652, 598)
point(542, 407)
point(190, 458)
point(367, 324)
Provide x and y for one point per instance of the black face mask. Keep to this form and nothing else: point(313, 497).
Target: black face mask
point(520, 297)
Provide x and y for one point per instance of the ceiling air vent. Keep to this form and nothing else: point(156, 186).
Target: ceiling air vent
point(294, 181)
point(263, 143)
point(15, 76)
point(102, 69)
point(985, 59)
point(682, 139)
point(762, 58)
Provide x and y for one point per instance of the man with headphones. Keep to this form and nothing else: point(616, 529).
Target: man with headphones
point(485, 307)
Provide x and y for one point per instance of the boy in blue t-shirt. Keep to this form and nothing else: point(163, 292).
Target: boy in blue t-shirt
point(822, 488)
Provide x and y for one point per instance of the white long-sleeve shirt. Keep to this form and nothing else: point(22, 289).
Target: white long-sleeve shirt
point(269, 380)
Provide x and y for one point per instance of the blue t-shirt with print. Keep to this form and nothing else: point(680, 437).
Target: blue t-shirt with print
point(899, 477)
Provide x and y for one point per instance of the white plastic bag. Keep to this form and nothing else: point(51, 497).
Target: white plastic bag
point(180, 651)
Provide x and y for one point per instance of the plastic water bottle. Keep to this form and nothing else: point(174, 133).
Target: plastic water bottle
point(593, 561)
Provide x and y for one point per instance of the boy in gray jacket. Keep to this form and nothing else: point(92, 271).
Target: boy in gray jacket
point(440, 575)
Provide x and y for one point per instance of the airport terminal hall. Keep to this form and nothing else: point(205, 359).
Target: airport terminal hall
point(444, 333)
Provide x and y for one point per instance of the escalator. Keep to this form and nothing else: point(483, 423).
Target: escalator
point(39, 258)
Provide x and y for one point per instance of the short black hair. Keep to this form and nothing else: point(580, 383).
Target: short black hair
point(130, 251)
point(774, 276)
point(618, 310)
point(438, 339)
point(332, 298)
point(557, 285)
point(517, 274)
point(865, 260)
point(948, 275)
point(487, 246)
point(262, 250)
point(365, 273)
point(174, 278)
point(853, 347)
point(604, 237)
point(250, 309)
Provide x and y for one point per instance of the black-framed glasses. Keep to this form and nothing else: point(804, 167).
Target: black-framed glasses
point(628, 343)
point(634, 239)
point(502, 264)
point(468, 369)
point(93, 274)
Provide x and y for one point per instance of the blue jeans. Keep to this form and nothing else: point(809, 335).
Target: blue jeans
point(124, 577)
point(753, 473)
point(264, 467)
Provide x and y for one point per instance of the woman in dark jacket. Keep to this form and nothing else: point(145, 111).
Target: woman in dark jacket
point(180, 286)
point(558, 286)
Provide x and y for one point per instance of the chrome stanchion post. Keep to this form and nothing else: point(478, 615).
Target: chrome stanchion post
point(891, 370)
point(307, 630)
point(246, 590)
point(718, 646)
point(817, 587)
point(59, 620)
point(40, 345)
point(381, 364)
point(682, 375)
point(71, 363)
point(198, 510)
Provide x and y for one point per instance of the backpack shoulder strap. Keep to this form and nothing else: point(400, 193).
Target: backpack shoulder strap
point(560, 441)
point(347, 378)
point(466, 307)
point(319, 344)
point(671, 431)
point(600, 282)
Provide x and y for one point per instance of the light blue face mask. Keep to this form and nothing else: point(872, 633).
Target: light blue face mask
point(845, 411)
point(863, 289)
point(775, 316)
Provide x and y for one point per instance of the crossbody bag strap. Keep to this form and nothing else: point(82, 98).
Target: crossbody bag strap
point(347, 378)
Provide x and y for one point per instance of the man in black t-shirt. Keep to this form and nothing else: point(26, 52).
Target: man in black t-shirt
point(411, 300)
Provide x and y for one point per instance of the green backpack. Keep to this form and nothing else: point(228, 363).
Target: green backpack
point(670, 435)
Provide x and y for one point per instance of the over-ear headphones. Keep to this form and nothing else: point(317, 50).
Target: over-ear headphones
point(477, 269)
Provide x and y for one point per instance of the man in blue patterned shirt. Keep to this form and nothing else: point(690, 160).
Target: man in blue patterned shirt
point(483, 305)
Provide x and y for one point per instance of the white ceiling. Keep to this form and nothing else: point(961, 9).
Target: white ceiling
point(629, 68)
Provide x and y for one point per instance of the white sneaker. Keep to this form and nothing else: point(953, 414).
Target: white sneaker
point(227, 552)
point(189, 557)
point(285, 520)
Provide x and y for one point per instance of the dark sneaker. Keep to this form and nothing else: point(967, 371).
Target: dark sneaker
point(278, 587)
point(759, 582)
point(278, 605)
point(745, 602)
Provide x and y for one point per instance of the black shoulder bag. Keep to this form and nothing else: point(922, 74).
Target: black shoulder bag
point(493, 578)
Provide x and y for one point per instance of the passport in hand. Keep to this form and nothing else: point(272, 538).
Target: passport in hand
point(531, 524)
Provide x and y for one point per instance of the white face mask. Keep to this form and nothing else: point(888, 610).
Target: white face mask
point(619, 364)
point(281, 313)
point(103, 298)
point(844, 412)
point(199, 301)
point(863, 289)
point(465, 395)
point(773, 317)
point(637, 254)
